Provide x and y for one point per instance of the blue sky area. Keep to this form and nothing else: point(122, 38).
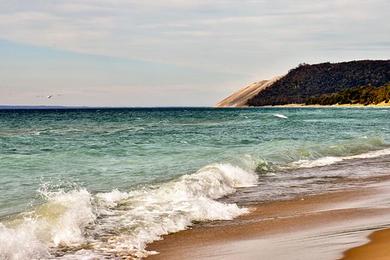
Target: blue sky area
point(173, 52)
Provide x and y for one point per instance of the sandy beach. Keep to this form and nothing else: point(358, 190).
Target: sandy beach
point(324, 225)
point(376, 249)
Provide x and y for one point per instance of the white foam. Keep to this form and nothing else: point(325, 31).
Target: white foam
point(21, 243)
point(280, 116)
point(77, 213)
point(148, 214)
point(60, 221)
point(332, 159)
point(112, 198)
point(316, 163)
point(127, 220)
point(372, 154)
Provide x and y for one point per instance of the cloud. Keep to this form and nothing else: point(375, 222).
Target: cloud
point(252, 38)
point(183, 32)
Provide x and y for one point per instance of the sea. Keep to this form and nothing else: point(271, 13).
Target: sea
point(103, 183)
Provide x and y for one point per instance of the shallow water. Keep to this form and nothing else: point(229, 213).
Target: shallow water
point(99, 182)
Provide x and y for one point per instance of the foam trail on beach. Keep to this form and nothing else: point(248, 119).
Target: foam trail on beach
point(122, 223)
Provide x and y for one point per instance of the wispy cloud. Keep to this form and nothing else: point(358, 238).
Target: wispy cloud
point(250, 37)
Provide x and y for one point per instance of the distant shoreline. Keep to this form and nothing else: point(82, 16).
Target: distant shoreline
point(5, 108)
point(383, 104)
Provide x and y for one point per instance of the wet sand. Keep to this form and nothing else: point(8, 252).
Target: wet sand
point(323, 226)
point(377, 249)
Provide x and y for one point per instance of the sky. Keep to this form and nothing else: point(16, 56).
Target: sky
point(173, 52)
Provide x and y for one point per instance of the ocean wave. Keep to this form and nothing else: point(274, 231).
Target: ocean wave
point(82, 225)
point(314, 155)
point(328, 160)
point(76, 224)
point(145, 215)
point(58, 222)
point(21, 243)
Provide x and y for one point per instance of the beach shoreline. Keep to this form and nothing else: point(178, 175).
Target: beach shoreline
point(380, 105)
point(276, 229)
point(376, 249)
point(145, 173)
point(383, 104)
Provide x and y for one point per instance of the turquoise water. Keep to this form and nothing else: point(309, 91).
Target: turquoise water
point(53, 157)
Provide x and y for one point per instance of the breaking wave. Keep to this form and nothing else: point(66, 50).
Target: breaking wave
point(328, 160)
point(60, 221)
point(309, 156)
point(77, 224)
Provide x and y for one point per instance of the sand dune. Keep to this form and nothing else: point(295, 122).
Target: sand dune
point(240, 98)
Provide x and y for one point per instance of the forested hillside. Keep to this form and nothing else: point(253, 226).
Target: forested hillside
point(307, 82)
point(362, 95)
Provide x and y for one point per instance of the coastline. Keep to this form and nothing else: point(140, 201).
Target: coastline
point(326, 224)
point(383, 104)
point(225, 164)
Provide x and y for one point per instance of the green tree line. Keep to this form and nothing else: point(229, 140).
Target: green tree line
point(361, 95)
point(306, 81)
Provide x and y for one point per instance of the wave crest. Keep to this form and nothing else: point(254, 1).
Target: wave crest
point(59, 221)
point(123, 222)
point(328, 160)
